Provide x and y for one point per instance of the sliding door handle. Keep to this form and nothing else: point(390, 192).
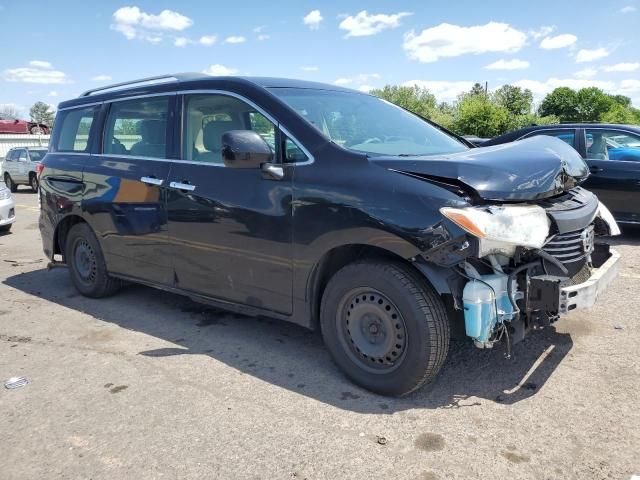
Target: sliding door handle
point(152, 180)
point(182, 186)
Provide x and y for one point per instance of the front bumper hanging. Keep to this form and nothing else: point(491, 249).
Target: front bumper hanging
point(584, 295)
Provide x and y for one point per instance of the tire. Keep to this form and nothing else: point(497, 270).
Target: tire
point(5, 228)
point(384, 326)
point(8, 181)
point(33, 182)
point(86, 263)
point(36, 130)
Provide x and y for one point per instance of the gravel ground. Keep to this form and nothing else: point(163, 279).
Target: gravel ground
point(148, 385)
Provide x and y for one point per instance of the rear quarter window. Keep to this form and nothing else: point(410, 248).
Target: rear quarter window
point(74, 130)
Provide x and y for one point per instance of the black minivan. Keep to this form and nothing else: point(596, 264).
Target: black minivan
point(326, 207)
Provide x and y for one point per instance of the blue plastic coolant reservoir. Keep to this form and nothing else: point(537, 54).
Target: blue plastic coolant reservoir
point(485, 302)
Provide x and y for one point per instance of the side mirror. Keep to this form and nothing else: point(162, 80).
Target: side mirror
point(244, 149)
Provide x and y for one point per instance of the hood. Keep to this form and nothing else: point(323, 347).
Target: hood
point(531, 169)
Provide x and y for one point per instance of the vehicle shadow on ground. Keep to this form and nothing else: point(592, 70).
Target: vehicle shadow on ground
point(294, 358)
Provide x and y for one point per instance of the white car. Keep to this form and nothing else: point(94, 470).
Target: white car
point(19, 167)
point(7, 210)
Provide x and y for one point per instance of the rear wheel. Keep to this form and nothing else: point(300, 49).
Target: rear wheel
point(86, 263)
point(36, 130)
point(384, 326)
point(33, 182)
point(11, 185)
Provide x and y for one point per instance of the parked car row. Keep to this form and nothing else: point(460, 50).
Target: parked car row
point(11, 124)
point(612, 153)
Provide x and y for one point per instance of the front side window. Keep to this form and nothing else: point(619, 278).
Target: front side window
point(612, 145)
point(137, 128)
point(208, 117)
point(74, 127)
point(367, 124)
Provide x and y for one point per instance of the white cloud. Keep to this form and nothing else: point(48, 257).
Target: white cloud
point(259, 29)
point(514, 64)
point(208, 40)
point(542, 32)
point(365, 88)
point(586, 73)
point(361, 79)
point(442, 89)
point(220, 70)
point(313, 19)
point(263, 37)
point(446, 40)
point(622, 67)
point(181, 42)
point(364, 24)
point(132, 22)
point(39, 64)
point(310, 68)
point(101, 78)
point(628, 9)
point(52, 93)
point(584, 56)
point(235, 39)
point(37, 72)
point(559, 41)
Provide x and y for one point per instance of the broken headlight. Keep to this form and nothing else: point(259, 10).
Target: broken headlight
point(502, 228)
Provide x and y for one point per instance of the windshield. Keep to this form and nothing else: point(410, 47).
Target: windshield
point(365, 123)
point(36, 155)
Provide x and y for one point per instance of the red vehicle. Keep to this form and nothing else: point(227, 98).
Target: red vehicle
point(10, 124)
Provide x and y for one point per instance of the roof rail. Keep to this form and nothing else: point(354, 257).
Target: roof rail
point(149, 80)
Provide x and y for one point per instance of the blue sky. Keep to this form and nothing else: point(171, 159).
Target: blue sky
point(54, 50)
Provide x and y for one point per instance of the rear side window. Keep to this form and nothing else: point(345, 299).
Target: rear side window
point(137, 128)
point(74, 127)
point(567, 136)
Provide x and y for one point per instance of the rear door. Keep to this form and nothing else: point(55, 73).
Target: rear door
point(125, 186)
point(230, 228)
point(613, 157)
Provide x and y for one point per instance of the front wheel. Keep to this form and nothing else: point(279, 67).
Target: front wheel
point(11, 185)
point(384, 327)
point(36, 130)
point(86, 263)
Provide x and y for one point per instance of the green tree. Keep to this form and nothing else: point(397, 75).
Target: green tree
point(514, 99)
point(415, 99)
point(622, 100)
point(477, 89)
point(592, 104)
point(619, 114)
point(477, 115)
point(40, 112)
point(562, 103)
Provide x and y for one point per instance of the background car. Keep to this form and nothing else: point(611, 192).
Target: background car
point(10, 124)
point(19, 167)
point(7, 209)
point(612, 153)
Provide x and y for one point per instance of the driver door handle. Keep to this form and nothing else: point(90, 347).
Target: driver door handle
point(596, 169)
point(183, 186)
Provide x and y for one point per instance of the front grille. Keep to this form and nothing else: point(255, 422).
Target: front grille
point(571, 247)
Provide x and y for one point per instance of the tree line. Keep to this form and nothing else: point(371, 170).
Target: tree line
point(487, 114)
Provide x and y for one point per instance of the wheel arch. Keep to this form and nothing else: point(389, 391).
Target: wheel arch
point(62, 230)
point(340, 256)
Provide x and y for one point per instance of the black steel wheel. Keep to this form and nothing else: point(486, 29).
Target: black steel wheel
point(86, 263)
point(372, 330)
point(384, 326)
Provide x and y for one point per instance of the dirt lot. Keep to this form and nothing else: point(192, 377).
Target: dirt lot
point(147, 385)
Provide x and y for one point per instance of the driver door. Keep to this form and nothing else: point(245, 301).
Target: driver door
point(230, 229)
